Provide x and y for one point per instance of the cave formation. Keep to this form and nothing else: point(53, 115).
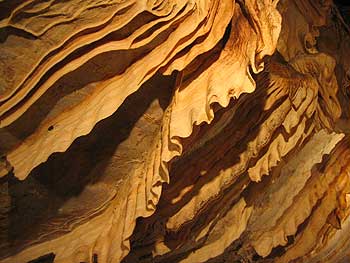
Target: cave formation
point(140, 131)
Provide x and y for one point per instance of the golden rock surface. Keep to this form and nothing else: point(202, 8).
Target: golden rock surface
point(191, 131)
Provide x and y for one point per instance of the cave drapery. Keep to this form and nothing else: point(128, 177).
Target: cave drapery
point(174, 131)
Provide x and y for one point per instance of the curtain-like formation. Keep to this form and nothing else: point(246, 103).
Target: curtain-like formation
point(174, 131)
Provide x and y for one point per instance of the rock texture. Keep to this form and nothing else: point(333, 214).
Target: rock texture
point(174, 131)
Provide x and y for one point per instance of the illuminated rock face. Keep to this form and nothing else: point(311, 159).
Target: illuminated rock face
point(174, 131)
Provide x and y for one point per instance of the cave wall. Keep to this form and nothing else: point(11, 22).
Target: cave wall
point(174, 131)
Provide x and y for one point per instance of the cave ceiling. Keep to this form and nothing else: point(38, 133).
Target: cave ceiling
point(141, 131)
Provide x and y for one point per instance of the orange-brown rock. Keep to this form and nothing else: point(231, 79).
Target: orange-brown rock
point(174, 131)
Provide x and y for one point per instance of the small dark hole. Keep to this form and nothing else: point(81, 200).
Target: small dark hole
point(50, 128)
point(256, 257)
point(94, 258)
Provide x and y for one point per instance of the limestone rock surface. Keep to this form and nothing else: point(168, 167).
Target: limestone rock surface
point(192, 131)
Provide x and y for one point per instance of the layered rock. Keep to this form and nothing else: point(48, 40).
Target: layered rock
point(174, 131)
